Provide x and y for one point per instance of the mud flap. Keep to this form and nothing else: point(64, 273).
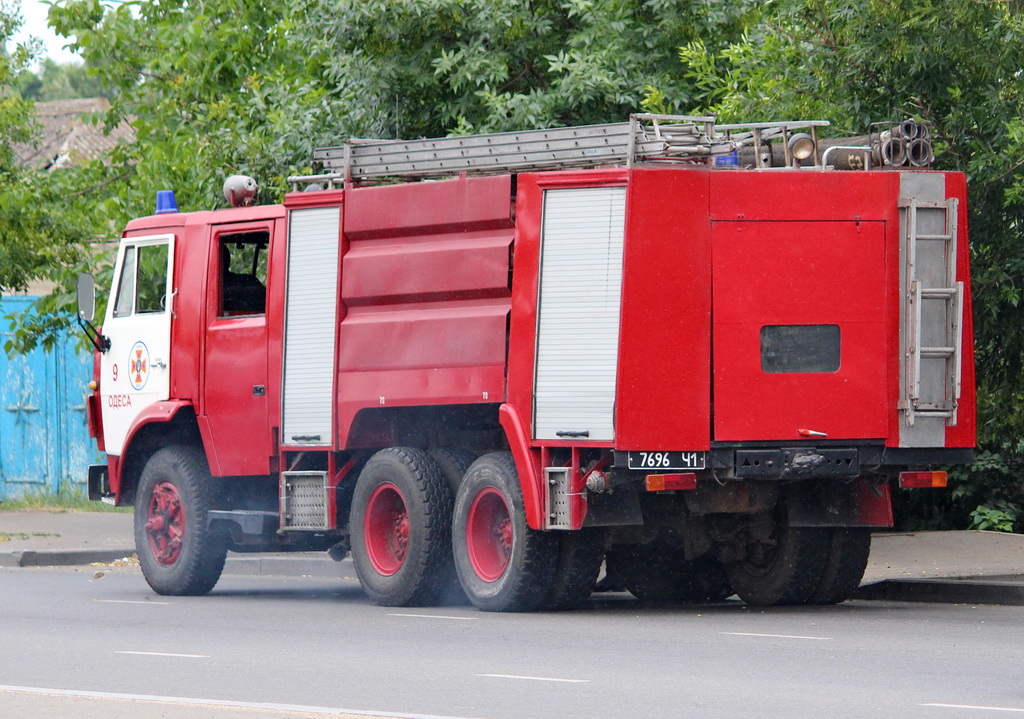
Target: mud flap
point(834, 503)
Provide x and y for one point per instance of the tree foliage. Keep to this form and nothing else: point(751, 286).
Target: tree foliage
point(431, 67)
point(59, 81)
point(36, 238)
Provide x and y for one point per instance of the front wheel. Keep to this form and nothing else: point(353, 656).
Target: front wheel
point(178, 552)
point(502, 564)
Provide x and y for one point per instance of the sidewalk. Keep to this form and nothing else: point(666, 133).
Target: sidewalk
point(957, 567)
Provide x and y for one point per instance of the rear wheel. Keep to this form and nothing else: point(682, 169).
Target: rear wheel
point(579, 561)
point(401, 528)
point(453, 463)
point(783, 567)
point(178, 552)
point(502, 564)
point(658, 572)
point(848, 550)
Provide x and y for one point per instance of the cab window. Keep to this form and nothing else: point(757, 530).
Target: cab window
point(142, 286)
point(243, 273)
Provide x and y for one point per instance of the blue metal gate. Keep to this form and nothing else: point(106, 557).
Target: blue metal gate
point(44, 440)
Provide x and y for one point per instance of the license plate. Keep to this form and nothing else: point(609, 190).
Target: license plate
point(666, 460)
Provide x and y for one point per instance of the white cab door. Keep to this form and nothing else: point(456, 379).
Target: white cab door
point(135, 371)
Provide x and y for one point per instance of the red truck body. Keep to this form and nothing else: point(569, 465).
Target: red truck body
point(740, 333)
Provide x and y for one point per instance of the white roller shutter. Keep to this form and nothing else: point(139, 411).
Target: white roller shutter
point(578, 313)
point(310, 326)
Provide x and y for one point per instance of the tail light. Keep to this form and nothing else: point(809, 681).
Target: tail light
point(669, 482)
point(922, 479)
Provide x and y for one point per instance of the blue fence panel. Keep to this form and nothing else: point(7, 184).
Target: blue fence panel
point(44, 439)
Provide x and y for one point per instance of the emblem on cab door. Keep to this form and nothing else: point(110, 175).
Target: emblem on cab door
point(138, 364)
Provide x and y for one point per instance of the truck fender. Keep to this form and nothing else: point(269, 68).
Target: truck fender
point(158, 412)
point(527, 464)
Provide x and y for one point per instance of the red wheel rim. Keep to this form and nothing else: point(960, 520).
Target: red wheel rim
point(165, 523)
point(386, 530)
point(489, 534)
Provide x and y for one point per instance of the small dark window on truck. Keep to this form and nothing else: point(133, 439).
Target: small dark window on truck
point(243, 273)
point(800, 348)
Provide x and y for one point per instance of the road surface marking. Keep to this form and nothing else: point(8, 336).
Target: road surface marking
point(979, 708)
point(220, 703)
point(129, 601)
point(166, 654)
point(536, 679)
point(774, 636)
point(433, 616)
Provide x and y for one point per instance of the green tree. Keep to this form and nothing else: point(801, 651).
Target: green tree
point(432, 67)
point(34, 236)
point(956, 64)
point(60, 81)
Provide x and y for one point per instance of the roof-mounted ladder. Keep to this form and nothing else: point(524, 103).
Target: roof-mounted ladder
point(645, 138)
point(934, 316)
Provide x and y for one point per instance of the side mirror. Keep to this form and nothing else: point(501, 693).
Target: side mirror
point(87, 310)
point(86, 297)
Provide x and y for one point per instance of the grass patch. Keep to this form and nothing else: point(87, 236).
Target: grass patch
point(8, 536)
point(64, 499)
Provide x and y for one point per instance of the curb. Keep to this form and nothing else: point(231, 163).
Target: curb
point(946, 591)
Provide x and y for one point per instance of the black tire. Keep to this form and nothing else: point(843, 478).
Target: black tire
point(848, 552)
point(657, 572)
point(179, 554)
point(453, 463)
point(401, 528)
point(579, 562)
point(785, 570)
point(503, 565)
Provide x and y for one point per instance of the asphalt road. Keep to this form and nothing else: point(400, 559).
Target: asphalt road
point(262, 646)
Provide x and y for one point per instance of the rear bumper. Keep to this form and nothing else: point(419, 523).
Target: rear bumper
point(778, 461)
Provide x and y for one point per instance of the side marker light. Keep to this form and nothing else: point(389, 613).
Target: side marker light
point(669, 482)
point(910, 480)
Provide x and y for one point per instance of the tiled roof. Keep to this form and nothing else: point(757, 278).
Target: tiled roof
point(64, 138)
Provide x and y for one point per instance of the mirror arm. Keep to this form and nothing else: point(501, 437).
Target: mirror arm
point(99, 341)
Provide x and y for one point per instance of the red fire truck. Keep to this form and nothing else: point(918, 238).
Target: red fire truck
point(701, 354)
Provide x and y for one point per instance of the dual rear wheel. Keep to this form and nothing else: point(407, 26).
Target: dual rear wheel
point(415, 543)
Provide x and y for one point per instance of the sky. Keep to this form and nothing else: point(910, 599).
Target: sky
point(33, 12)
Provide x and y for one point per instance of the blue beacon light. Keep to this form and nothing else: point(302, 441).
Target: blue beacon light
point(165, 202)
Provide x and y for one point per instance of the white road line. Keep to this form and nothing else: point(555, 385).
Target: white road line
point(220, 703)
point(433, 616)
point(979, 708)
point(536, 679)
point(166, 654)
point(128, 601)
point(775, 636)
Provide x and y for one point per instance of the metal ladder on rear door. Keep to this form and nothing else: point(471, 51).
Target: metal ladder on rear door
point(934, 313)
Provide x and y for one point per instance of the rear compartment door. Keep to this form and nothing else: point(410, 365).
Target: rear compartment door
point(799, 331)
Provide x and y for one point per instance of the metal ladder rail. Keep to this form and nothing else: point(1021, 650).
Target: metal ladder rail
point(645, 137)
point(952, 295)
